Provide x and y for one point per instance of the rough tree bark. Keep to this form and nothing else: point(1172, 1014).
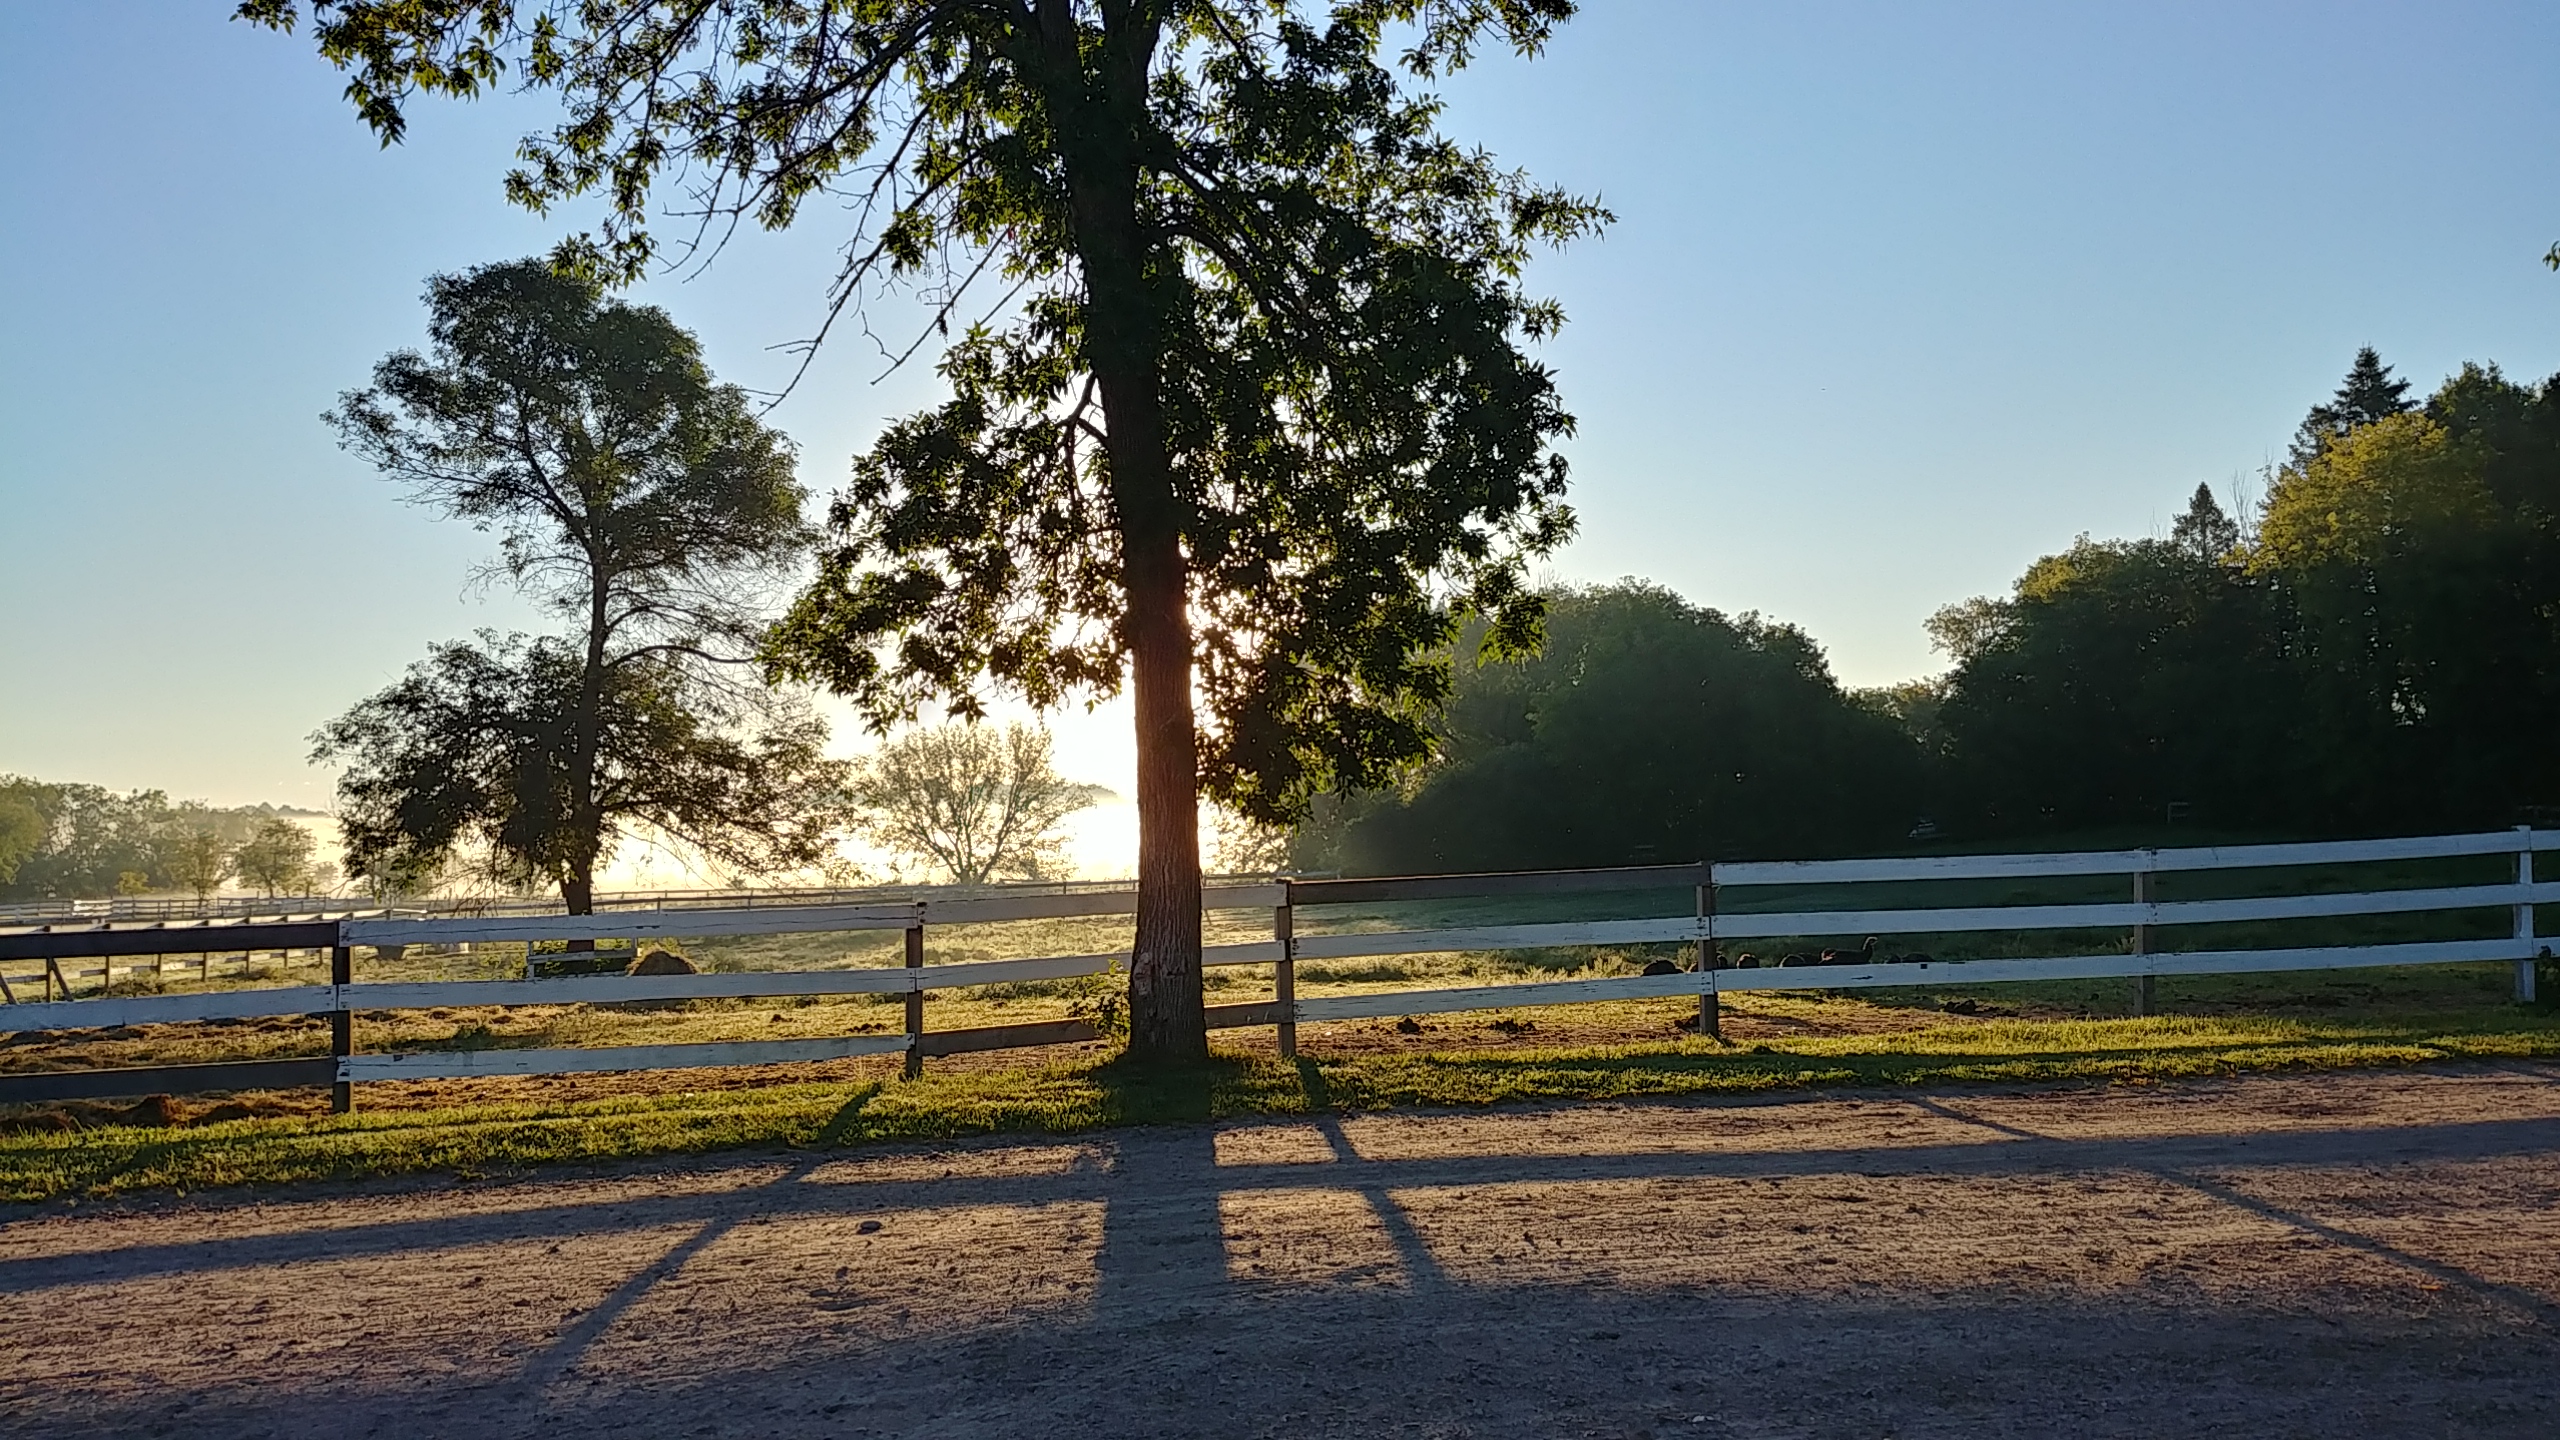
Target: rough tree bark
point(1166, 1019)
point(586, 814)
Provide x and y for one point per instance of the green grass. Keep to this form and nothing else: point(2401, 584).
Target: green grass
point(484, 1138)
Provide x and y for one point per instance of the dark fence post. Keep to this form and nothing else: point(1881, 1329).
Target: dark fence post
point(2146, 998)
point(915, 1003)
point(1284, 972)
point(342, 1027)
point(1710, 1005)
point(2524, 916)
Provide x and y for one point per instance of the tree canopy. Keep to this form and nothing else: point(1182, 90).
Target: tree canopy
point(2375, 652)
point(2205, 530)
point(1247, 416)
point(1647, 730)
point(2377, 655)
point(276, 859)
point(649, 508)
point(71, 841)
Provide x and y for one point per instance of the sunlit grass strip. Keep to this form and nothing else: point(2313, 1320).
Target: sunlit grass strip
point(478, 1139)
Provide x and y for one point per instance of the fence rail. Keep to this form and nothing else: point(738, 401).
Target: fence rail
point(1708, 922)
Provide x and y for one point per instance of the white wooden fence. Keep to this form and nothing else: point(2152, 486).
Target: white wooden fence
point(1708, 929)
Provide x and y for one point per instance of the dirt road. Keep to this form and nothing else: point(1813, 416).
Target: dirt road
point(2364, 1254)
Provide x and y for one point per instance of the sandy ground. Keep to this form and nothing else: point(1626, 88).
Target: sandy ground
point(2343, 1255)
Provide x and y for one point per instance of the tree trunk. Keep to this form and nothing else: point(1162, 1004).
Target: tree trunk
point(1123, 340)
point(1166, 1018)
point(586, 738)
point(578, 892)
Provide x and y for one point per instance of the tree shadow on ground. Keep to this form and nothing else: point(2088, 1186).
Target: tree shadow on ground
point(1175, 1342)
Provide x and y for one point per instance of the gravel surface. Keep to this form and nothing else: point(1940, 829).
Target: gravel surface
point(2339, 1255)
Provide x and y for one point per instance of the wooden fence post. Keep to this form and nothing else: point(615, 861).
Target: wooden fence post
point(1284, 972)
point(342, 1027)
point(1710, 1007)
point(915, 1004)
point(2145, 998)
point(2525, 992)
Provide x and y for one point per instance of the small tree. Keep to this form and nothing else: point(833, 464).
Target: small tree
point(648, 507)
point(199, 860)
point(973, 801)
point(275, 859)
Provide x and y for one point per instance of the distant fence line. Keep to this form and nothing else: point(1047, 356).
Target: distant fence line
point(164, 909)
point(1701, 929)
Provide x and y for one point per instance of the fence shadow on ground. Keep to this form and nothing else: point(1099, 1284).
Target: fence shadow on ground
point(1173, 1341)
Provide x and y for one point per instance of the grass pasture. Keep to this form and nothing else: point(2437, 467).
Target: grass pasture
point(2026, 1034)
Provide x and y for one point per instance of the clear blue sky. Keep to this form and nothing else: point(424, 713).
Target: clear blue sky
point(1900, 297)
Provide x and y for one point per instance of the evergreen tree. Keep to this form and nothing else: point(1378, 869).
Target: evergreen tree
point(2369, 394)
point(2205, 531)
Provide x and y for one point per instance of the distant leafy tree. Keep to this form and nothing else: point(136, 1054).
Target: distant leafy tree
point(1647, 730)
point(2381, 655)
point(2117, 678)
point(2373, 493)
point(2368, 394)
point(2418, 558)
point(275, 859)
point(199, 860)
point(23, 826)
point(1967, 628)
point(84, 837)
point(1259, 427)
point(647, 506)
point(975, 802)
point(1916, 706)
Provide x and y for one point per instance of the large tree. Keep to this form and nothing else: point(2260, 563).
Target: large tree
point(1247, 427)
point(648, 507)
